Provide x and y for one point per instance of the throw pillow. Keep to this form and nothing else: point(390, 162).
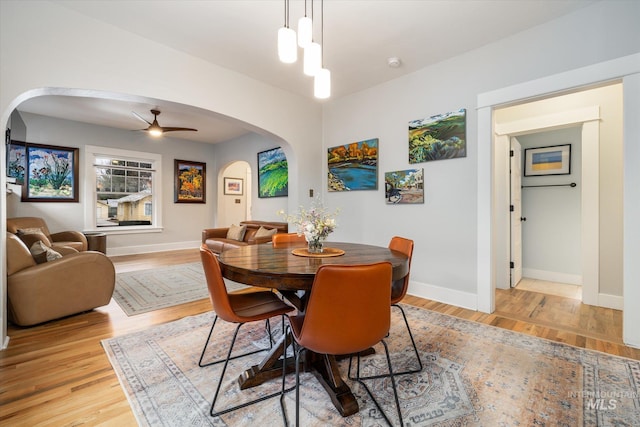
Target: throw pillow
point(42, 253)
point(36, 236)
point(236, 232)
point(265, 232)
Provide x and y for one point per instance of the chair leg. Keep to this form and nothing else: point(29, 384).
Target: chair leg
point(415, 350)
point(215, 413)
point(393, 385)
point(285, 345)
point(215, 362)
point(413, 342)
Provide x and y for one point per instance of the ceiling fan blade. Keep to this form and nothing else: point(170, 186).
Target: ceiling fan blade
point(172, 129)
point(141, 118)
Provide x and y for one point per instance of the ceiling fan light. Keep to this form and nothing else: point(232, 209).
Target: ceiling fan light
point(322, 84)
point(287, 46)
point(312, 59)
point(305, 31)
point(155, 132)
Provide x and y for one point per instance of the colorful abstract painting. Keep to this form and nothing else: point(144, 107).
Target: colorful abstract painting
point(273, 173)
point(16, 161)
point(404, 187)
point(353, 166)
point(438, 137)
point(190, 182)
point(52, 174)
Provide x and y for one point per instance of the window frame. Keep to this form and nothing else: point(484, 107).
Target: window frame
point(90, 192)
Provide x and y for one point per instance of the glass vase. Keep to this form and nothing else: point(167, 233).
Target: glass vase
point(314, 246)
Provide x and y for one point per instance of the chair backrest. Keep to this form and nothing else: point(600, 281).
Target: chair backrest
point(19, 223)
point(399, 287)
point(349, 308)
point(215, 284)
point(284, 239)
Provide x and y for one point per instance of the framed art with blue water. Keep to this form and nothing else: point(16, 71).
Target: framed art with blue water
point(353, 166)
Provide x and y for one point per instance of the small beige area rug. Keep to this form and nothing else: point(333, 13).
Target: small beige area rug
point(474, 375)
point(141, 291)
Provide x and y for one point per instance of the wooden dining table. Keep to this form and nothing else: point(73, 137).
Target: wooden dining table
point(292, 276)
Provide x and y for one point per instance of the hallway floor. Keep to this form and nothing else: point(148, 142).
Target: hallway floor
point(550, 288)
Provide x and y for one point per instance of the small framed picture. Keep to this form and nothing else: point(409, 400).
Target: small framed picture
point(190, 182)
point(553, 160)
point(233, 186)
point(16, 161)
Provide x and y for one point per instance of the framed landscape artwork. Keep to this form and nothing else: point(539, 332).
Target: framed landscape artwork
point(16, 161)
point(353, 166)
point(438, 137)
point(190, 182)
point(404, 187)
point(553, 160)
point(51, 174)
point(233, 186)
point(273, 173)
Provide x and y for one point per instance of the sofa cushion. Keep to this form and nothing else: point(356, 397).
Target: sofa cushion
point(42, 253)
point(32, 237)
point(265, 232)
point(236, 232)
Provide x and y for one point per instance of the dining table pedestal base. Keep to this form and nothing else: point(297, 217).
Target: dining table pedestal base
point(324, 367)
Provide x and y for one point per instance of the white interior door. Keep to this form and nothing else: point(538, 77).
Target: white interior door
point(516, 218)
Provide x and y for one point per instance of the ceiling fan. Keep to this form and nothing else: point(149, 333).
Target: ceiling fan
point(155, 129)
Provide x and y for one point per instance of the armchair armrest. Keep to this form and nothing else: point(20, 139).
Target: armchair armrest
point(209, 233)
point(69, 236)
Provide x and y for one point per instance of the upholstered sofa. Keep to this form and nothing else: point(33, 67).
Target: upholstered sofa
point(256, 232)
point(73, 283)
point(74, 239)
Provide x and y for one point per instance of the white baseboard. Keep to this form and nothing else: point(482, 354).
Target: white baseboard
point(610, 301)
point(5, 344)
point(144, 249)
point(552, 276)
point(448, 296)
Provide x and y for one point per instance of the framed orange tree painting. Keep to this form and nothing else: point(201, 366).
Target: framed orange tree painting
point(190, 185)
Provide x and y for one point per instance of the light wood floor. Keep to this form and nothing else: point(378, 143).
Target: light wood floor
point(57, 374)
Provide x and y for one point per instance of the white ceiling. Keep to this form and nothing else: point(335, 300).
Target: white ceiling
point(359, 37)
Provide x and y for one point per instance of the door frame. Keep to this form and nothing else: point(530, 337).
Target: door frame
point(627, 69)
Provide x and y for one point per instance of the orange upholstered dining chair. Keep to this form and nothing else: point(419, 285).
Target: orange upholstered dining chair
point(333, 325)
point(236, 308)
point(399, 290)
point(283, 239)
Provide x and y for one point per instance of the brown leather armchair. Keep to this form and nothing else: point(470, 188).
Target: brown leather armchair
point(36, 293)
point(74, 239)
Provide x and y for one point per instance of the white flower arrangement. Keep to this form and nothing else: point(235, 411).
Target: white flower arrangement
point(315, 223)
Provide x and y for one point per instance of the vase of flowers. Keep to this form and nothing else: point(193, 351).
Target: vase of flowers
point(315, 223)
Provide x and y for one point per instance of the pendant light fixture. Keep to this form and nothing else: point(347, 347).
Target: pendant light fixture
point(312, 54)
point(313, 61)
point(287, 45)
point(322, 79)
point(305, 29)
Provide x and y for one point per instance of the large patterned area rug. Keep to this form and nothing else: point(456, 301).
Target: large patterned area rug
point(141, 291)
point(474, 375)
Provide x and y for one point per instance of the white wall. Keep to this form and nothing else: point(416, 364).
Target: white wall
point(445, 227)
point(551, 236)
point(246, 148)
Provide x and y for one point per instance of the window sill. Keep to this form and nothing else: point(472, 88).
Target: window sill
point(126, 230)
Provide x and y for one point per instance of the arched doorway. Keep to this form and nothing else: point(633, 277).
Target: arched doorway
point(234, 194)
